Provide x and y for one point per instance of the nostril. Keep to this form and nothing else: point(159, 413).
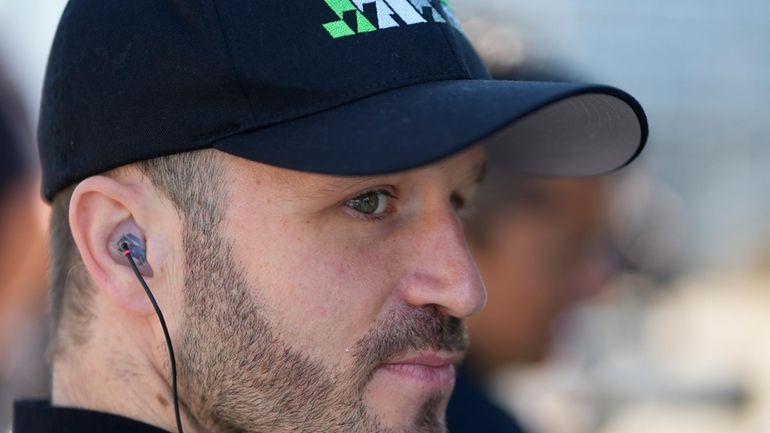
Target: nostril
point(458, 294)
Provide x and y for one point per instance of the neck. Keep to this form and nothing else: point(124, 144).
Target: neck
point(115, 374)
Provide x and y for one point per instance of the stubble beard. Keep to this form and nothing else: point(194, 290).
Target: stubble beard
point(238, 376)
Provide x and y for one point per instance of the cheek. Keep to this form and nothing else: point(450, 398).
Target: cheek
point(321, 292)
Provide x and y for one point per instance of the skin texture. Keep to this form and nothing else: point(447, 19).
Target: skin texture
point(541, 256)
point(284, 307)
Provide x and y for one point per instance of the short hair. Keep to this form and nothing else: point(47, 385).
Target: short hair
point(191, 181)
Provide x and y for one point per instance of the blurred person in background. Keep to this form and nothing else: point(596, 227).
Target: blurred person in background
point(22, 262)
point(538, 243)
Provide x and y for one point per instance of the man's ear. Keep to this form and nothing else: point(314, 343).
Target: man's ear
point(102, 212)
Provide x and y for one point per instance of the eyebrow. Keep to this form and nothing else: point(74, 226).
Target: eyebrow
point(342, 184)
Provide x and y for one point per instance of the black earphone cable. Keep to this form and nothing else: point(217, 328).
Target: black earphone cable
point(127, 252)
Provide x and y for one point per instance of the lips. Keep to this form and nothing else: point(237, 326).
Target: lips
point(432, 359)
point(431, 369)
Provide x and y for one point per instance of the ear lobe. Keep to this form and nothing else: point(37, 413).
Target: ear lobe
point(128, 234)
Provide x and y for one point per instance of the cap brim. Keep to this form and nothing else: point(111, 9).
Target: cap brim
point(553, 129)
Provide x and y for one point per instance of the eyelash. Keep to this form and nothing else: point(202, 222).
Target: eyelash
point(372, 218)
point(459, 203)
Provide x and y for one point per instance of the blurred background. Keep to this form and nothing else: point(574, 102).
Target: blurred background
point(634, 303)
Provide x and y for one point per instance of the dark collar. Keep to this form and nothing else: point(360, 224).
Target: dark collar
point(470, 410)
point(41, 417)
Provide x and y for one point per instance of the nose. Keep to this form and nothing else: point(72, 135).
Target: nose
point(440, 268)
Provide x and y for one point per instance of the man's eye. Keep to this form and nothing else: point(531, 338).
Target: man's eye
point(372, 203)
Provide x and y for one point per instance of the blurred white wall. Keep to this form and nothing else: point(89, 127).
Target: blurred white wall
point(701, 68)
point(26, 32)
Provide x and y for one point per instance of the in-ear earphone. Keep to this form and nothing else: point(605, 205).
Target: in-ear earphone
point(131, 246)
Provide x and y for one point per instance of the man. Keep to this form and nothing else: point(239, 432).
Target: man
point(538, 245)
point(284, 177)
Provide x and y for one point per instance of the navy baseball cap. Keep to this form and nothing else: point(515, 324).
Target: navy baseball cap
point(344, 87)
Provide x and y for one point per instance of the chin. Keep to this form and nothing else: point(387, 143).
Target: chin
point(429, 418)
point(407, 405)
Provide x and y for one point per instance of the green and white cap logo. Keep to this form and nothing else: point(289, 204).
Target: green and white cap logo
point(365, 16)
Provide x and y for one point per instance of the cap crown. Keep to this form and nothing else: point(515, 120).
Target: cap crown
point(133, 80)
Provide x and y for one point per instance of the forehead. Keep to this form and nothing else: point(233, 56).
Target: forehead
point(457, 167)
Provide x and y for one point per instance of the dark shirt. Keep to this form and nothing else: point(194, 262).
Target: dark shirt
point(471, 411)
point(23, 370)
point(41, 417)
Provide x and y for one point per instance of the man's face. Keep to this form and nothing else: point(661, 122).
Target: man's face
point(330, 304)
point(542, 256)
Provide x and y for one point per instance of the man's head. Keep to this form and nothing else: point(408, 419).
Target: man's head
point(299, 301)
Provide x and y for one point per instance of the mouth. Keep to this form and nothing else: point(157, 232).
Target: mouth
point(433, 370)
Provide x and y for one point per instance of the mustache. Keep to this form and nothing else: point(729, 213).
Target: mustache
point(407, 329)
